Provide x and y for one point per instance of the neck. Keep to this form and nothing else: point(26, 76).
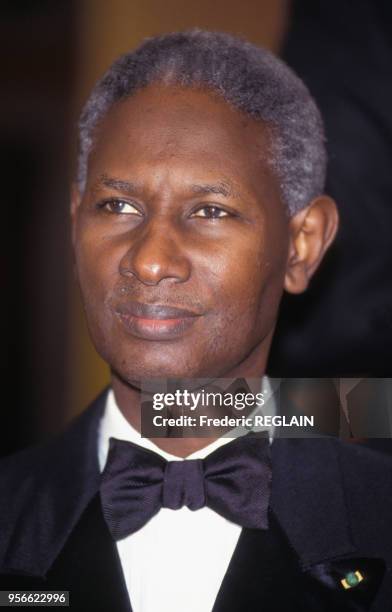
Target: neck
point(128, 398)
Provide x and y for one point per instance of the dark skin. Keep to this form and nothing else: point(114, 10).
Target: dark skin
point(182, 209)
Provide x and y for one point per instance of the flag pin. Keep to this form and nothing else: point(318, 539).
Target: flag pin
point(351, 579)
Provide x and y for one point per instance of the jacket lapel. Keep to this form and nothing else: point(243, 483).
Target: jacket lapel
point(265, 573)
point(89, 566)
point(50, 487)
point(303, 561)
point(309, 496)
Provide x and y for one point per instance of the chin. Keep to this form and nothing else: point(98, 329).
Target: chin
point(134, 370)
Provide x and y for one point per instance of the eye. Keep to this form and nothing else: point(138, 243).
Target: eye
point(120, 207)
point(211, 212)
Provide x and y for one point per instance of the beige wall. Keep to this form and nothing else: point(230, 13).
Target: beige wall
point(109, 28)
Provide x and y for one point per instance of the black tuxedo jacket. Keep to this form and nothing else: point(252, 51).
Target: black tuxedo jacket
point(331, 513)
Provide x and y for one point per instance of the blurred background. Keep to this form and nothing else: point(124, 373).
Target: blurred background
point(53, 51)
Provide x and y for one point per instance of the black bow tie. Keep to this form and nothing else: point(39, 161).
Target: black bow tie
point(234, 481)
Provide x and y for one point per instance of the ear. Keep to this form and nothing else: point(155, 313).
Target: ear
point(311, 232)
point(76, 198)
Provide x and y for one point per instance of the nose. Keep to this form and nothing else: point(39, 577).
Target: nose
point(156, 253)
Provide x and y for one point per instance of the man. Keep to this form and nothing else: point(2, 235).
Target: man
point(199, 200)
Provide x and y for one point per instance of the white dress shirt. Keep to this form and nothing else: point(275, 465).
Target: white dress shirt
point(176, 562)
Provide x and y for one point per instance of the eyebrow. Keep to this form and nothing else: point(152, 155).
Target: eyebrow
point(118, 184)
point(220, 188)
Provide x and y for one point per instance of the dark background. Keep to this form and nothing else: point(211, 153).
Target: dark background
point(38, 66)
point(341, 327)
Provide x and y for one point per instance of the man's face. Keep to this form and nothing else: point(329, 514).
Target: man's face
point(181, 211)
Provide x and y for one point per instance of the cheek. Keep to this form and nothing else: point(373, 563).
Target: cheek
point(97, 270)
point(248, 287)
point(96, 260)
point(245, 273)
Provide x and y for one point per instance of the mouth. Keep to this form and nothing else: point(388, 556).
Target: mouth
point(155, 321)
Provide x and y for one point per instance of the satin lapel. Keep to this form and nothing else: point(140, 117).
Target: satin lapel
point(265, 574)
point(298, 564)
point(310, 488)
point(89, 566)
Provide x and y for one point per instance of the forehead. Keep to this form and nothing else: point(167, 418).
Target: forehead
point(191, 130)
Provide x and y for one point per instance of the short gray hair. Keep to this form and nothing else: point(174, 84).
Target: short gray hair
point(248, 77)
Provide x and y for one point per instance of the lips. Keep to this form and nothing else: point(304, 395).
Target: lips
point(155, 321)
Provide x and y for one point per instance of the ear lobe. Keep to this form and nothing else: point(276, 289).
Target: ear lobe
point(312, 230)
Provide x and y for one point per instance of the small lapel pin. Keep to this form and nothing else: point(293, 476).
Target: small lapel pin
point(351, 579)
